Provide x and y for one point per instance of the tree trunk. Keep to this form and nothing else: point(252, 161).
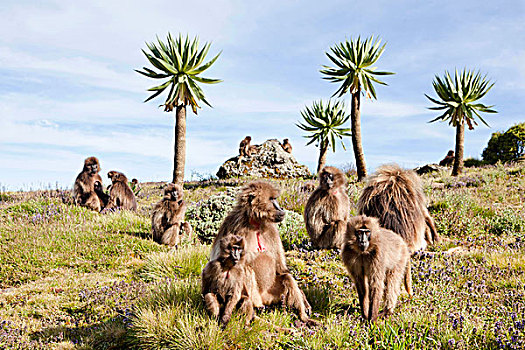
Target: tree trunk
point(460, 141)
point(356, 135)
point(179, 158)
point(322, 156)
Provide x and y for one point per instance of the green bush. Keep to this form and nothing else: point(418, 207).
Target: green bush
point(206, 216)
point(506, 147)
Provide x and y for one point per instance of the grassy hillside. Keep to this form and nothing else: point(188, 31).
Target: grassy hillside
point(74, 279)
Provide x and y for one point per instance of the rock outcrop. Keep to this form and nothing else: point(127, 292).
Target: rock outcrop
point(269, 161)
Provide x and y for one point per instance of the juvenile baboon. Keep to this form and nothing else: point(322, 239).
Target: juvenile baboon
point(99, 190)
point(84, 188)
point(255, 217)
point(244, 147)
point(327, 209)
point(376, 259)
point(395, 196)
point(448, 160)
point(287, 146)
point(120, 194)
point(228, 281)
point(168, 217)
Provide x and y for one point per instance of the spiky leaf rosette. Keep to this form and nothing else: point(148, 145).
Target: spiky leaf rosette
point(354, 60)
point(179, 61)
point(324, 123)
point(458, 97)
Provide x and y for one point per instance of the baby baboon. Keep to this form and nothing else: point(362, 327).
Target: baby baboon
point(120, 194)
point(327, 210)
point(287, 146)
point(448, 160)
point(376, 259)
point(99, 190)
point(395, 196)
point(244, 147)
point(255, 217)
point(168, 217)
point(228, 281)
point(84, 188)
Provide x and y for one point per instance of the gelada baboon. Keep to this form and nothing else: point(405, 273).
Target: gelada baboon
point(448, 160)
point(287, 146)
point(168, 217)
point(244, 147)
point(84, 188)
point(120, 194)
point(376, 259)
point(255, 217)
point(228, 281)
point(99, 190)
point(395, 196)
point(327, 209)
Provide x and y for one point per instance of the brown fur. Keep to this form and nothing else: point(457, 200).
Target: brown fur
point(327, 210)
point(228, 281)
point(395, 196)
point(379, 268)
point(84, 188)
point(244, 147)
point(448, 160)
point(255, 218)
point(168, 217)
point(120, 194)
point(287, 146)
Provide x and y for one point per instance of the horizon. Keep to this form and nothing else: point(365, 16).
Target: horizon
point(69, 89)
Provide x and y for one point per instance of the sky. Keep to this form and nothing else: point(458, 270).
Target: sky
point(68, 89)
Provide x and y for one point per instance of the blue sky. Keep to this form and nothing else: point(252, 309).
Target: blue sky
point(68, 89)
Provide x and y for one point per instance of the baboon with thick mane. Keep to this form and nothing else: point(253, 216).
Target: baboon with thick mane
point(378, 261)
point(287, 146)
point(228, 281)
point(120, 194)
point(84, 191)
point(396, 197)
point(255, 217)
point(448, 160)
point(167, 219)
point(328, 209)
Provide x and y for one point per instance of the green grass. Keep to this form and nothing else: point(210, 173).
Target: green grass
point(74, 279)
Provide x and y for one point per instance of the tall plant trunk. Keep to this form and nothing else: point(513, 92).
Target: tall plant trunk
point(355, 118)
point(322, 156)
point(179, 158)
point(460, 141)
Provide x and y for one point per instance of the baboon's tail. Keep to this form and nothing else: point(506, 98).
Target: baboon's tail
point(408, 278)
point(434, 236)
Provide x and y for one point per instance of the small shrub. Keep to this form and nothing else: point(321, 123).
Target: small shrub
point(206, 216)
point(180, 263)
point(292, 231)
point(474, 163)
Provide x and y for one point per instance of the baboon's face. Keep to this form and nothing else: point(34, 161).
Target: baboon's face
point(173, 192)
point(93, 169)
point(260, 202)
point(98, 186)
point(362, 236)
point(115, 176)
point(326, 180)
point(278, 212)
point(233, 248)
